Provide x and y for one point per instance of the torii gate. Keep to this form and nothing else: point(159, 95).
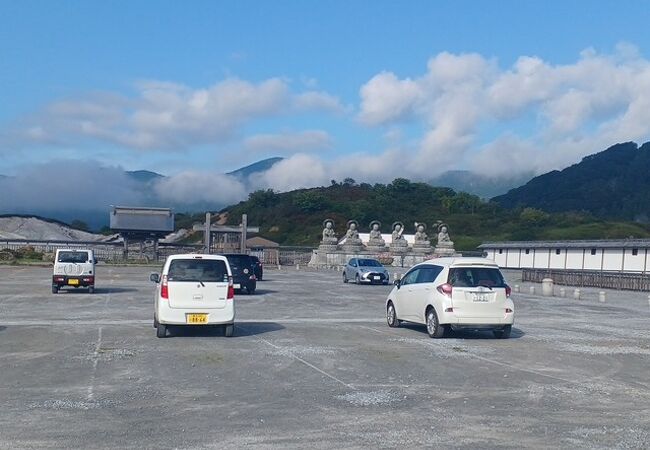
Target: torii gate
point(243, 229)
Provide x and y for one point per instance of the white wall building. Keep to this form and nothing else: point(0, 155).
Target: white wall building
point(625, 255)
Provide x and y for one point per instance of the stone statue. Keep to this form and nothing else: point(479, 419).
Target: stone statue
point(329, 235)
point(422, 244)
point(444, 247)
point(376, 240)
point(398, 230)
point(420, 235)
point(352, 232)
point(399, 244)
point(443, 236)
point(352, 241)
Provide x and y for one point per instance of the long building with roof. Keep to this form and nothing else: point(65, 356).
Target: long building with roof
point(622, 255)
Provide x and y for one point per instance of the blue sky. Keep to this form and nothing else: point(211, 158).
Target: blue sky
point(348, 82)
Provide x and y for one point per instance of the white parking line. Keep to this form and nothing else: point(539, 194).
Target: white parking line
point(91, 387)
point(299, 359)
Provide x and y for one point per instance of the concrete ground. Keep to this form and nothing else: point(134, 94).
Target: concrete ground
point(313, 364)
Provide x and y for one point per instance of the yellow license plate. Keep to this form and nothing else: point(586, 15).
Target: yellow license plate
point(73, 282)
point(197, 319)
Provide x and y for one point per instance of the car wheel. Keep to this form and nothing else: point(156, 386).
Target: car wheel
point(434, 329)
point(250, 290)
point(504, 333)
point(357, 279)
point(161, 331)
point(391, 316)
point(91, 289)
point(345, 277)
point(229, 330)
point(55, 289)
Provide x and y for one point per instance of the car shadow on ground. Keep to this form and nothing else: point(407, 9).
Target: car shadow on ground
point(466, 334)
point(2, 328)
point(104, 290)
point(243, 330)
point(258, 291)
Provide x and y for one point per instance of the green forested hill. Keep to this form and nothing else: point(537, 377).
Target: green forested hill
point(295, 218)
point(613, 184)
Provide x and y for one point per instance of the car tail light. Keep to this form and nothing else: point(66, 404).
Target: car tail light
point(508, 310)
point(231, 289)
point(164, 288)
point(88, 279)
point(59, 279)
point(445, 289)
point(508, 291)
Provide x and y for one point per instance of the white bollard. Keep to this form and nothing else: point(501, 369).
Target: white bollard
point(576, 294)
point(602, 296)
point(532, 290)
point(516, 288)
point(562, 292)
point(297, 266)
point(279, 266)
point(547, 287)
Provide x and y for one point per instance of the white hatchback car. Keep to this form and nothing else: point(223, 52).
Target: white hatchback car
point(194, 290)
point(455, 293)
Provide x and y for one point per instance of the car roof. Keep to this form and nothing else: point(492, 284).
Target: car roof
point(460, 261)
point(196, 256)
point(73, 250)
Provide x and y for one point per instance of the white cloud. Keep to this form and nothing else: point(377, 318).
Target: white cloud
point(287, 142)
point(539, 116)
point(166, 115)
point(195, 187)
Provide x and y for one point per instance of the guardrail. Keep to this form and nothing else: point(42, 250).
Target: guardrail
point(587, 278)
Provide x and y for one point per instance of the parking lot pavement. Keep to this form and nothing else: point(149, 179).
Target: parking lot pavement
point(312, 364)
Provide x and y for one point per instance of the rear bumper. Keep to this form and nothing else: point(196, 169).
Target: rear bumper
point(477, 322)
point(244, 283)
point(178, 316)
point(81, 280)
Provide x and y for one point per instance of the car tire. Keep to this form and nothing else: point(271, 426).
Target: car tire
point(504, 333)
point(391, 316)
point(161, 331)
point(345, 277)
point(250, 290)
point(357, 279)
point(55, 289)
point(91, 289)
point(229, 330)
point(434, 329)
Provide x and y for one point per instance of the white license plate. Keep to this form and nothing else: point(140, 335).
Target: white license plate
point(376, 278)
point(480, 298)
point(237, 286)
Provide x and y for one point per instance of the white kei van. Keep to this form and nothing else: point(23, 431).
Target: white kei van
point(74, 268)
point(194, 290)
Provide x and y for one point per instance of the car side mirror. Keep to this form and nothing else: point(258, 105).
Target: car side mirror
point(155, 278)
point(397, 283)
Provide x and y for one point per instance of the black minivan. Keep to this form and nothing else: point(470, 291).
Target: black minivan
point(243, 272)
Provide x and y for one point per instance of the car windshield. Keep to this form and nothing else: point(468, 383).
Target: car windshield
point(369, 263)
point(73, 257)
point(476, 276)
point(204, 270)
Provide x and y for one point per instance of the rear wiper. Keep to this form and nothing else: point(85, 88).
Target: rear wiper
point(194, 280)
point(485, 285)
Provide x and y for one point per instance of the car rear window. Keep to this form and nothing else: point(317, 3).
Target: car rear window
point(73, 257)
point(239, 260)
point(476, 276)
point(210, 270)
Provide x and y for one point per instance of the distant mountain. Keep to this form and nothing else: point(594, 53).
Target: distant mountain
point(144, 176)
point(478, 184)
point(612, 184)
point(259, 166)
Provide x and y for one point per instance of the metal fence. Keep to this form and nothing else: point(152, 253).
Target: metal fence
point(586, 278)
